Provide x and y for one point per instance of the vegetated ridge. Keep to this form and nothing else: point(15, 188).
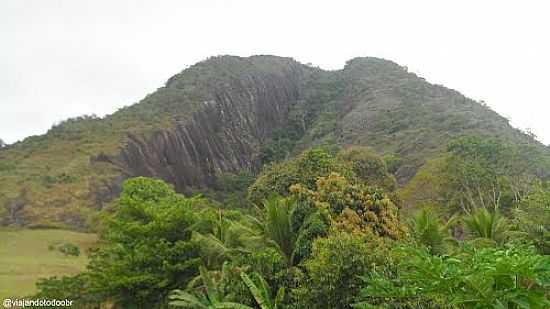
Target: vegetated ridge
point(231, 114)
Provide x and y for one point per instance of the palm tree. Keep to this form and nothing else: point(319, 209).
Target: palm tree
point(428, 230)
point(276, 228)
point(225, 238)
point(261, 292)
point(212, 296)
point(485, 225)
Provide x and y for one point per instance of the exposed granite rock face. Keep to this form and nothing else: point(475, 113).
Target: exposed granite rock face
point(223, 135)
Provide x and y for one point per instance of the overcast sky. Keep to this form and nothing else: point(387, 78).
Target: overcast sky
point(65, 58)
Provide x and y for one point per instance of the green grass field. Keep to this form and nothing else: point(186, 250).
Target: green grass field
point(25, 257)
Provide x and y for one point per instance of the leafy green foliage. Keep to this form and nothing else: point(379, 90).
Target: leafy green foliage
point(533, 217)
point(368, 167)
point(487, 225)
point(279, 231)
point(334, 268)
point(512, 277)
point(309, 249)
point(220, 236)
point(261, 292)
point(75, 288)
point(358, 164)
point(393, 162)
point(304, 169)
point(69, 249)
point(354, 208)
point(212, 294)
point(230, 189)
point(428, 230)
point(478, 172)
point(148, 249)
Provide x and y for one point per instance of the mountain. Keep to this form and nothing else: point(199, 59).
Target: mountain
point(228, 114)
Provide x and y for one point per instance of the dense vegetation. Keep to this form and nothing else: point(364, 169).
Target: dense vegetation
point(61, 179)
point(324, 230)
point(365, 187)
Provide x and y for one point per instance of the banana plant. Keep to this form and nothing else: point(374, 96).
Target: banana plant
point(261, 292)
point(212, 296)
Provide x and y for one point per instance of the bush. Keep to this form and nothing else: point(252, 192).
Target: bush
point(69, 249)
point(334, 268)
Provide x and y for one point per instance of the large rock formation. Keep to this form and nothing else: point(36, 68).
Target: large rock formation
point(218, 115)
point(223, 135)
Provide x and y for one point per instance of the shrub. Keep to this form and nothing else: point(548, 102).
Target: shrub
point(69, 249)
point(511, 277)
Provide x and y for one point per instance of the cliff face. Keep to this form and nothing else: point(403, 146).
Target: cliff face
point(229, 113)
point(223, 135)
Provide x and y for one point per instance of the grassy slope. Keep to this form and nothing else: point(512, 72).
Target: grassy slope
point(55, 169)
point(25, 257)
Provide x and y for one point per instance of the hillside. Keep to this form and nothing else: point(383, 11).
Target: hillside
point(227, 114)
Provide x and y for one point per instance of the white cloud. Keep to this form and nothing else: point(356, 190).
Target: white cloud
point(69, 57)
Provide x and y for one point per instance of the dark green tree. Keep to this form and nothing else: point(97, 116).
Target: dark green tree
point(148, 249)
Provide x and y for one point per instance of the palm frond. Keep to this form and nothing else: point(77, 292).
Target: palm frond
point(184, 299)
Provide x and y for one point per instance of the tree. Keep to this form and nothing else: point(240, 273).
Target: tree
point(486, 171)
point(278, 229)
point(354, 208)
point(76, 288)
point(478, 172)
point(304, 169)
point(148, 249)
point(475, 170)
point(219, 237)
point(357, 164)
point(483, 224)
point(532, 216)
point(368, 167)
point(428, 230)
point(334, 268)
